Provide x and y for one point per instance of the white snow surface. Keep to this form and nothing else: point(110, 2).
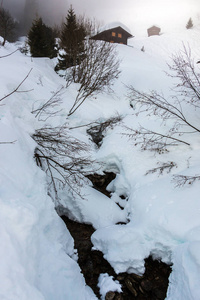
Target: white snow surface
point(38, 259)
point(114, 25)
point(107, 284)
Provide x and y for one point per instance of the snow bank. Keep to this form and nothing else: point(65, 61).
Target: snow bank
point(38, 259)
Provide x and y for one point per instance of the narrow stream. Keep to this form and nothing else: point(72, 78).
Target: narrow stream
point(151, 286)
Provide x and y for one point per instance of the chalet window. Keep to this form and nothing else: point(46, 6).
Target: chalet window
point(119, 35)
point(111, 41)
point(113, 33)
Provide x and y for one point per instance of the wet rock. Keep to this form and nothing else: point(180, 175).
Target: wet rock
point(130, 286)
point(136, 277)
point(119, 297)
point(110, 296)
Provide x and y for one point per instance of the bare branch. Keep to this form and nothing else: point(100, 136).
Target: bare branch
point(181, 180)
point(98, 129)
point(47, 110)
point(174, 108)
point(163, 167)
point(12, 142)
point(64, 159)
point(152, 140)
point(9, 54)
point(96, 72)
point(17, 88)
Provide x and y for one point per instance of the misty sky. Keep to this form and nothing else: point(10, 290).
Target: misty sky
point(138, 15)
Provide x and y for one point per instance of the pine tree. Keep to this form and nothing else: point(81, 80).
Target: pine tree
point(189, 24)
point(72, 41)
point(7, 25)
point(41, 40)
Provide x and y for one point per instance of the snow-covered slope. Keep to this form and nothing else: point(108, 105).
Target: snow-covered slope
point(38, 260)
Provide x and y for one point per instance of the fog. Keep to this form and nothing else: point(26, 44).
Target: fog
point(135, 14)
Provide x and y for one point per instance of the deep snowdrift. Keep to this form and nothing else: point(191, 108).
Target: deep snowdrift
point(38, 260)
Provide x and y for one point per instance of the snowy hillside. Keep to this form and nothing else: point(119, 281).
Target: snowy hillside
point(38, 259)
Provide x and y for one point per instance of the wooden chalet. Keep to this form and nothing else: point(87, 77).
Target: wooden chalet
point(154, 30)
point(114, 33)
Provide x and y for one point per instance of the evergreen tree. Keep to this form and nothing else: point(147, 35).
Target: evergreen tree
point(189, 24)
point(41, 40)
point(72, 42)
point(7, 25)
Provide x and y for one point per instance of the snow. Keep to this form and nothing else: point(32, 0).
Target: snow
point(38, 259)
point(114, 25)
point(107, 284)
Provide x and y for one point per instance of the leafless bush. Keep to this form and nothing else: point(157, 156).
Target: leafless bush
point(64, 158)
point(155, 104)
point(16, 90)
point(181, 180)
point(50, 108)
point(183, 68)
point(96, 72)
point(162, 167)
point(152, 140)
point(173, 109)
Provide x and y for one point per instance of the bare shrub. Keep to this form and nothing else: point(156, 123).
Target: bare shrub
point(186, 95)
point(174, 109)
point(181, 180)
point(64, 158)
point(50, 108)
point(96, 72)
point(162, 167)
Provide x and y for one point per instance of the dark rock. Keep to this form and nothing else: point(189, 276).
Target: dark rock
point(146, 285)
point(110, 296)
point(100, 182)
point(130, 286)
point(120, 277)
point(159, 294)
point(118, 297)
point(136, 277)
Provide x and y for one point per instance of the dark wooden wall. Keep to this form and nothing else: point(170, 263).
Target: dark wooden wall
point(121, 36)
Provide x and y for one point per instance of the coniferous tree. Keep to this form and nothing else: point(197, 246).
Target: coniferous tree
point(41, 40)
point(72, 42)
point(7, 25)
point(189, 24)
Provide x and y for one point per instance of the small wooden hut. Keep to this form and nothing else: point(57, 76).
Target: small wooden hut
point(154, 30)
point(113, 33)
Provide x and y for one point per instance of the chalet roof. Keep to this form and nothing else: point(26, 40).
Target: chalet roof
point(115, 25)
point(154, 26)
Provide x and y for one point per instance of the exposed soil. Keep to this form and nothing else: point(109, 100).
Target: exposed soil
point(152, 285)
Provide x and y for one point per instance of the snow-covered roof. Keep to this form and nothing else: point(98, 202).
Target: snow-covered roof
point(114, 25)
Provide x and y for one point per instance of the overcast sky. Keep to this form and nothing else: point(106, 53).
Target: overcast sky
point(137, 15)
